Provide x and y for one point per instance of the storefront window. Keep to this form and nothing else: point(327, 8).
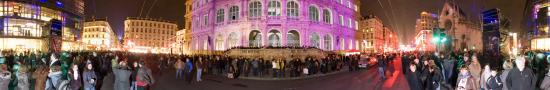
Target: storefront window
point(21, 27)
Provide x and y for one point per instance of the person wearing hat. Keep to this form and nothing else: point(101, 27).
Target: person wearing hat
point(521, 77)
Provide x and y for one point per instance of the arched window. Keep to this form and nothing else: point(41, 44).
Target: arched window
point(328, 42)
point(292, 9)
point(314, 40)
point(234, 13)
point(313, 13)
point(220, 15)
point(327, 16)
point(274, 8)
point(255, 9)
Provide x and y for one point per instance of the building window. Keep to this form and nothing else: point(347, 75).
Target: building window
point(205, 20)
point(292, 9)
point(313, 13)
point(274, 8)
point(356, 25)
point(255, 9)
point(350, 25)
point(342, 20)
point(355, 8)
point(349, 4)
point(219, 15)
point(234, 13)
point(327, 16)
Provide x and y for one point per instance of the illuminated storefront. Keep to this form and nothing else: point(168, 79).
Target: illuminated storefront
point(540, 44)
point(26, 25)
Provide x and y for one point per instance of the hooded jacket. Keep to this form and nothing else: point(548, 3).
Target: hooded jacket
point(521, 80)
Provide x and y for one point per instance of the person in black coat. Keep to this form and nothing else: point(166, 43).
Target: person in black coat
point(494, 82)
point(434, 78)
point(404, 62)
point(412, 77)
point(521, 77)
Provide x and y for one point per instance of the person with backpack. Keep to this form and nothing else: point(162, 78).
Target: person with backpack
point(494, 82)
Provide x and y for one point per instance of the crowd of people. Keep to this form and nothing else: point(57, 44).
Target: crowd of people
point(471, 71)
point(71, 71)
point(87, 70)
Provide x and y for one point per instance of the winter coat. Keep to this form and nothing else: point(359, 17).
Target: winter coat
point(75, 84)
point(448, 68)
point(144, 77)
point(122, 78)
point(414, 80)
point(179, 65)
point(23, 81)
point(40, 77)
point(521, 80)
point(5, 78)
point(503, 76)
point(484, 78)
point(87, 76)
point(545, 85)
point(188, 67)
point(475, 70)
point(53, 81)
point(471, 83)
point(494, 83)
point(434, 80)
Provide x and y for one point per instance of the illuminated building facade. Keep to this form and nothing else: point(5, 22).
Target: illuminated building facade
point(540, 39)
point(188, 22)
point(180, 46)
point(372, 27)
point(98, 35)
point(25, 24)
point(423, 28)
point(462, 32)
point(222, 24)
point(146, 35)
point(390, 42)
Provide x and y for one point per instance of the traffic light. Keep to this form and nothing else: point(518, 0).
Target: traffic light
point(439, 36)
point(435, 33)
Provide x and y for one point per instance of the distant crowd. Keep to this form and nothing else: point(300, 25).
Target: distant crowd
point(87, 70)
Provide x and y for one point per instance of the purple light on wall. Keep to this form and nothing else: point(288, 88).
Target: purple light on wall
point(58, 4)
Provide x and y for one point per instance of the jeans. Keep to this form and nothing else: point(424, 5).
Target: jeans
point(381, 72)
point(179, 73)
point(133, 87)
point(199, 73)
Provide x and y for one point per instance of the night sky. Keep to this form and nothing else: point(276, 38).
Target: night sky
point(402, 13)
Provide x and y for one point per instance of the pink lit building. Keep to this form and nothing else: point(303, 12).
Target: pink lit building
point(326, 24)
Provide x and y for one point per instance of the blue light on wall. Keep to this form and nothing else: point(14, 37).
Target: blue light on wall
point(43, 1)
point(58, 4)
